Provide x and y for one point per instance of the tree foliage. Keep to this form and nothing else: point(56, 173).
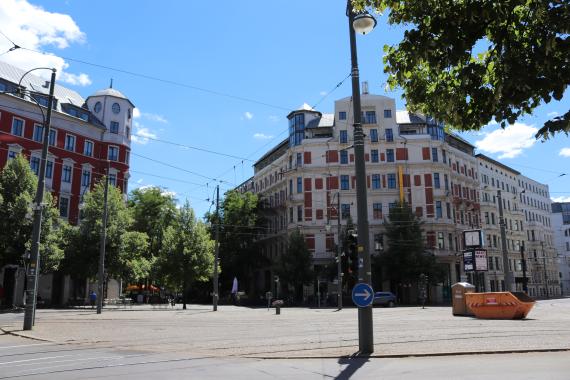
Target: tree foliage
point(469, 62)
point(153, 210)
point(295, 266)
point(406, 257)
point(122, 249)
point(18, 185)
point(240, 254)
point(187, 254)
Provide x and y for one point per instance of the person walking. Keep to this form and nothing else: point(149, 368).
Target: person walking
point(92, 298)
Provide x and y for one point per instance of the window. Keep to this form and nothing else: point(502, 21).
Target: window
point(436, 182)
point(299, 213)
point(17, 127)
point(448, 210)
point(391, 205)
point(342, 115)
point(377, 210)
point(443, 156)
point(343, 137)
point(112, 179)
point(52, 137)
point(370, 117)
point(113, 153)
point(373, 135)
point(114, 127)
point(374, 155)
point(290, 214)
point(66, 174)
point(69, 142)
point(343, 157)
point(344, 185)
point(440, 241)
point(390, 155)
point(567, 246)
point(387, 114)
point(391, 180)
point(446, 182)
point(376, 181)
point(345, 211)
point(434, 154)
point(63, 207)
point(12, 154)
point(86, 178)
point(49, 169)
point(38, 133)
point(389, 135)
point(299, 185)
point(35, 164)
point(299, 161)
point(128, 158)
point(438, 210)
point(88, 148)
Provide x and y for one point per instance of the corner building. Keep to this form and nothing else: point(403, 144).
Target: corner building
point(87, 138)
point(407, 156)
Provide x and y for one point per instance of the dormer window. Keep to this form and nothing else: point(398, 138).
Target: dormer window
point(114, 127)
point(98, 107)
point(116, 108)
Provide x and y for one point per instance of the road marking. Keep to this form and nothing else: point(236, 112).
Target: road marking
point(28, 345)
point(36, 359)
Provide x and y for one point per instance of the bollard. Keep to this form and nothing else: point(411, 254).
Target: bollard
point(278, 310)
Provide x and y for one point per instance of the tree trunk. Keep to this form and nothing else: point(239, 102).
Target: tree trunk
point(184, 295)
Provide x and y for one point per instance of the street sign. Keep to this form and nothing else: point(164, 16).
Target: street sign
point(475, 260)
point(362, 295)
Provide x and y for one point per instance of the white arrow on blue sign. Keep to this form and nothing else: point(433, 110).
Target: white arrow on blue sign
point(362, 295)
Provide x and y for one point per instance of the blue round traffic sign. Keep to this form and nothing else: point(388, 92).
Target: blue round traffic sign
point(362, 295)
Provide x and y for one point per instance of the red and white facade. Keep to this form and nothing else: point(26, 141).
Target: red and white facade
point(87, 136)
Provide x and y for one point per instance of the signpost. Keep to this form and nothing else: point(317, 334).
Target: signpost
point(362, 295)
point(475, 260)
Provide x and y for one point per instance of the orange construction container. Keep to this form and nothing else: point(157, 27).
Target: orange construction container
point(499, 305)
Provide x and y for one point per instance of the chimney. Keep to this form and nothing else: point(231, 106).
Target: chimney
point(365, 88)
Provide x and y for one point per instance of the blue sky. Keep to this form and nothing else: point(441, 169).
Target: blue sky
point(279, 54)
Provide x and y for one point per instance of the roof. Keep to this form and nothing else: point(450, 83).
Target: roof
point(326, 120)
point(303, 108)
point(489, 159)
point(273, 150)
point(111, 92)
point(35, 83)
point(406, 117)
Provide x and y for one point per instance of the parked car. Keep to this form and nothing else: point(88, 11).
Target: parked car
point(384, 299)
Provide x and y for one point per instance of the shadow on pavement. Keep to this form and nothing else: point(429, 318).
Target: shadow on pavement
point(354, 362)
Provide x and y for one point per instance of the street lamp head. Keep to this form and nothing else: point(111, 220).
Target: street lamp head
point(363, 23)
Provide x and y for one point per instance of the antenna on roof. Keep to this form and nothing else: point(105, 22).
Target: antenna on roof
point(111, 86)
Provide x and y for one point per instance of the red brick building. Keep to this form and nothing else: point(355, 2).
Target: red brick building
point(85, 135)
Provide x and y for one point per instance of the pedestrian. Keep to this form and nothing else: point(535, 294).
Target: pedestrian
point(92, 298)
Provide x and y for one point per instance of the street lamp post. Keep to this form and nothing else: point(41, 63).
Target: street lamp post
point(507, 273)
point(101, 271)
point(361, 23)
point(34, 267)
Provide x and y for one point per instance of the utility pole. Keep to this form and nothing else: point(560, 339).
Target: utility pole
point(365, 321)
point(525, 285)
point(339, 253)
point(215, 295)
point(34, 267)
point(506, 271)
point(544, 269)
point(101, 273)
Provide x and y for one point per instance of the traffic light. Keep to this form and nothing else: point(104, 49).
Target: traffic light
point(352, 242)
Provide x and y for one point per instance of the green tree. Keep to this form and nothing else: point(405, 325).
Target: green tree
point(240, 223)
point(295, 267)
point(406, 257)
point(153, 210)
point(468, 62)
point(187, 254)
point(123, 249)
point(18, 185)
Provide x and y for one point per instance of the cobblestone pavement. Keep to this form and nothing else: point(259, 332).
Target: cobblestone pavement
point(298, 332)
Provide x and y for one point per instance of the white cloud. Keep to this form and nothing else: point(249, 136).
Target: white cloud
point(248, 115)
point(136, 113)
point(140, 181)
point(561, 199)
point(262, 136)
point(564, 152)
point(509, 142)
point(552, 114)
point(31, 27)
point(142, 134)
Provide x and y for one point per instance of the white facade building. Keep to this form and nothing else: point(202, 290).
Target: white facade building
point(561, 227)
